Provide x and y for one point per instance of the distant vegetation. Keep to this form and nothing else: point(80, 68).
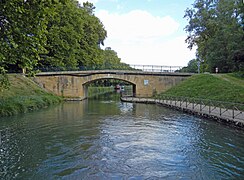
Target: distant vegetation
point(52, 35)
point(221, 87)
point(216, 28)
point(94, 91)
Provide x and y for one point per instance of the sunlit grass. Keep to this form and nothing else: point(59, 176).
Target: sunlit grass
point(226, 88)
point(24, 95)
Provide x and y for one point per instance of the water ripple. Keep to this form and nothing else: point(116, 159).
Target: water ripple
point(131, 141)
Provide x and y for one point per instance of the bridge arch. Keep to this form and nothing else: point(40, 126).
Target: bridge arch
point(85, 84)
point(72, 84)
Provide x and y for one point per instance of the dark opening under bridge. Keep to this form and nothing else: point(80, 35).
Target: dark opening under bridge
point(73, 85)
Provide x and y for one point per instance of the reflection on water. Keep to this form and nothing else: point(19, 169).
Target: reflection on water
point(108, 139)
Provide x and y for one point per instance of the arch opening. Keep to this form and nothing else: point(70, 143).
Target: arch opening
point(126, 88)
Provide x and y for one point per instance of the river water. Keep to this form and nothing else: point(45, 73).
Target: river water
point(104, 138)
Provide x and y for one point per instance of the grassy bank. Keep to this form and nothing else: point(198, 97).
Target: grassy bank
point(94, 91)
point(24, 95)
point(220, 87)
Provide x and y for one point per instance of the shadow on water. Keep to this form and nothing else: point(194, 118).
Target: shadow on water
point(103, 138)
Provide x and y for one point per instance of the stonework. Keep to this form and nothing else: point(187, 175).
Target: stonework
point(73, 85)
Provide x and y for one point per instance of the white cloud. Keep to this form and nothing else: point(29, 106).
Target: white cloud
point(141, 38)
point(137, 25)
point(91, 1)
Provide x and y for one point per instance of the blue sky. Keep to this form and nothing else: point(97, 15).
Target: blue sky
point(148, 32)
point(174, 8)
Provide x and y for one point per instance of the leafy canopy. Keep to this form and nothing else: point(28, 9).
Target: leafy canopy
point(216, 27)
point(61, 34)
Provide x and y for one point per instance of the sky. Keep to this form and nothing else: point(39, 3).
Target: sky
point(146, 32)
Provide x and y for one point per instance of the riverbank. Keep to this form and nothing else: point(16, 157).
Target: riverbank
point(217, 87)
point(216, 96)
point(23, 96)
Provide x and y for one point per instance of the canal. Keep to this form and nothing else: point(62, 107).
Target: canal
point(103, 138)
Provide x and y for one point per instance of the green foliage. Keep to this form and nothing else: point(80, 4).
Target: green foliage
point(64, 33)
point(23, 32)
point(214, 87)
point(93, 91)
point(61, 34)
point(216, 28)
point(112, 61)
point(94, 35)
point(23, 104)
point(191, 67)
point(4, 82)
point(74, 37)
point(239, 75)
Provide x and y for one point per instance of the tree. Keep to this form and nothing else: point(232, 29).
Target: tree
point(74, 37)
point(112, 61)
point(192, 66)
point(23, 32)
point(65, 29)
point(94, 35)
point(52, 33)
point(216, 28)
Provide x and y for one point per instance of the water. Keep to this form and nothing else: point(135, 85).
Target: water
point(107, 139)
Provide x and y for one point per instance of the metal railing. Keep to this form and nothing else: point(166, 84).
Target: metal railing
point(145, 68)
point(227, 111)
point(156, 68)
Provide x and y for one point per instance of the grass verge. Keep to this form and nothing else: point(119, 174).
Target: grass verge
point(24, 95)
point(227, 88)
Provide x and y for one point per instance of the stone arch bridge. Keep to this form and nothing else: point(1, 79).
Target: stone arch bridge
point(73, 84)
